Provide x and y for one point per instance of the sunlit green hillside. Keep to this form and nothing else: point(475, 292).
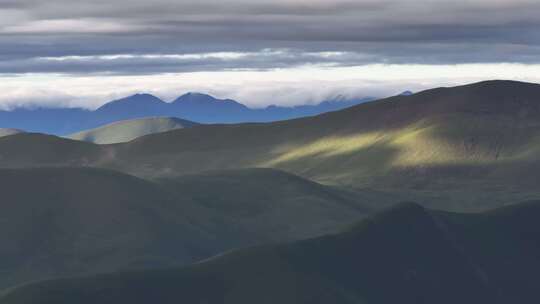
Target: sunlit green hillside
point(124, 131)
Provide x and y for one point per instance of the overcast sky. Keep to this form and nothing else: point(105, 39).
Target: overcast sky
point(65, 52)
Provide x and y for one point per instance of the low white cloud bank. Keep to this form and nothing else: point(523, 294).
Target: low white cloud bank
point(289, 86)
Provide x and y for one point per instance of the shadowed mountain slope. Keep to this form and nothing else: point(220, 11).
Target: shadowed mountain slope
point(71, 221)
point(33, 149)
point(405, 255)
point(274, 204)
point(127, 130)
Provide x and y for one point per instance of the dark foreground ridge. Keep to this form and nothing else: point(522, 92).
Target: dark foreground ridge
point(405, 255)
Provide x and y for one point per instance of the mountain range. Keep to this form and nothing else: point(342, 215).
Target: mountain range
point(286, 211)
point(195, 107)
point(479, 140)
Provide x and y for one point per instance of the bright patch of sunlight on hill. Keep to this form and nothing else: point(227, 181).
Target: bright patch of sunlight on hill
point(326, 147)
point(416, 145)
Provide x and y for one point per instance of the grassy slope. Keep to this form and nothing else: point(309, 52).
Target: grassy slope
point(404, 255)
point(469, 128)
point(124, 131)
point(275, 205)
point(478, 143)
point(68, 221)
point(32, 149)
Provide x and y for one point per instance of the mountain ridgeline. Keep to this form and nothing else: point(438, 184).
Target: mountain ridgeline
point(195, 107)
point(406, 254)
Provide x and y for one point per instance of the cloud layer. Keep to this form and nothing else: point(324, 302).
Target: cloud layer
point(153, 39)
point(291, 86)
point(387, 31)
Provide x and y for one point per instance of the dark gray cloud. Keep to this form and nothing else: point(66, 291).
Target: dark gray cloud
point(300, 32)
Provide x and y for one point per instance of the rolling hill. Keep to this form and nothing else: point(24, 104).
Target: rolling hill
point(477, 142)
point(407, 254)
point(127, 130)
point(71, 221)
point(33, 149)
